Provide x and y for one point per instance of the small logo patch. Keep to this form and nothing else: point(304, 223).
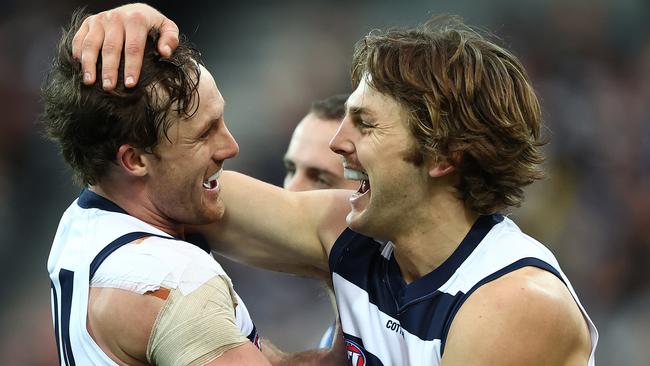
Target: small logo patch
point(356, 357)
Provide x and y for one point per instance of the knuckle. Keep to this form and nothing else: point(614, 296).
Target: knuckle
point(169, 26)
point(132, 49)
point(109, 48)
point(114, 16)
point(89, 44)
point(103, 16)
point(137, 17)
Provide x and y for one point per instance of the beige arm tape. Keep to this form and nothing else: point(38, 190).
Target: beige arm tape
point(196, 328)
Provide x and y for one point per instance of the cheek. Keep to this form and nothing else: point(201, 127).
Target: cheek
point(413, 155)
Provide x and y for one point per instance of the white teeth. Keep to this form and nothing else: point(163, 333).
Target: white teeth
point(208, 183)
point(352, 174)
point(216, 175)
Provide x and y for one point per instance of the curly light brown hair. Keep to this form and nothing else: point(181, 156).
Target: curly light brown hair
point(469, 102)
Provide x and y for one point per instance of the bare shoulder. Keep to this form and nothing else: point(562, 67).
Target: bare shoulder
point(527, 317)
point(117, 328)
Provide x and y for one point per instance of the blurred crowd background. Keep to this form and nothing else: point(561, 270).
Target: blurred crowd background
point(589, 61)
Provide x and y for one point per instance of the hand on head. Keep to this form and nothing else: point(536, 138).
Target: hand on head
point(121, 29)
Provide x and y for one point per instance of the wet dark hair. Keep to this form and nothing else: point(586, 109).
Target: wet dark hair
point(90, 124)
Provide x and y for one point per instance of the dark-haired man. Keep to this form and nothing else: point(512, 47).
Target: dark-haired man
point(309, 162)
point(443, 132)
point(126, 287)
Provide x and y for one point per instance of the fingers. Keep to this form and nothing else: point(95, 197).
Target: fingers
point(137, 30)
point(111, 49)
point(90, 46)
point(122, 29)
point(168, 37)
point(78, 39)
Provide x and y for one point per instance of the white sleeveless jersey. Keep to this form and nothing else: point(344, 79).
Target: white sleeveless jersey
point(386, 322)
point(93, 247)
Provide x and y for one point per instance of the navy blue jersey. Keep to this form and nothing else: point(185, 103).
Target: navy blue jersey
point(387, 322)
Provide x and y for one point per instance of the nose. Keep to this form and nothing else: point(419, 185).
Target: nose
point(228, 147)
point(341, 143)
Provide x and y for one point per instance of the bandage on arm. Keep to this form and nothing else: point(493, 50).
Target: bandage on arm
point(196, 328)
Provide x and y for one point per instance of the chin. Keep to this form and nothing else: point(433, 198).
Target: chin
point(357, 222)
point(215, 214)
point(208, 215)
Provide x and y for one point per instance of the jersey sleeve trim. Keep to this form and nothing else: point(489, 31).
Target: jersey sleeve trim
point(115, 245)
point(524, 262)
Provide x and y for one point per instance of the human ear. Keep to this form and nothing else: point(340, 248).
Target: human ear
point(132, 160)
point(446, 166)
point(441, 169)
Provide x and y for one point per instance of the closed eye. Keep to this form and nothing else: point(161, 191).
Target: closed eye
point(361, 124)
point(208, 131)
point(206, 134)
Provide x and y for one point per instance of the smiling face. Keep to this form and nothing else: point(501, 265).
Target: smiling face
point(309, 162)
point(182, 176)
point(377, 148)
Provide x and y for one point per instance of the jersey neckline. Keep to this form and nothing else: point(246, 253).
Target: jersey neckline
point(407, 294)
point(89, 199)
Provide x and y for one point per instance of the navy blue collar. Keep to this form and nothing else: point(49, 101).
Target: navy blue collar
point(429, 283)
point(90, 199)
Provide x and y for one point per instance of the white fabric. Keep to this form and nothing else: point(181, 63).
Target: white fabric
point(156, 262)
point(503, 245)
point(81, 235)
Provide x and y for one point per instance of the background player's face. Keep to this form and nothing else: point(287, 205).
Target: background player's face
point(182, 182)
point(376, 144)
point(309, 162)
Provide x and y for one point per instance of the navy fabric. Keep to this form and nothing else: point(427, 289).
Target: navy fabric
point(55, 305)
point(420, 308)
point(198, 240)
point(66, 279)
point(89, 199)
point(115, 245)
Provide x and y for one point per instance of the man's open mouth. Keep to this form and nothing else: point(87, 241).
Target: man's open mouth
point(359, 175)
point(212, 182)
point(365, 186)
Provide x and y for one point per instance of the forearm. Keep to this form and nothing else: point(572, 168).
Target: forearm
point(266, 226)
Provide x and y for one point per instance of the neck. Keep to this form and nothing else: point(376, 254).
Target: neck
point(437, 235)
point(133, 199)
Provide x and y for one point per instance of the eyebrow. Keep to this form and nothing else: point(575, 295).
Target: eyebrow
point(358, 110)
point(222, 111)
point(323, 171)
point(287, 160)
